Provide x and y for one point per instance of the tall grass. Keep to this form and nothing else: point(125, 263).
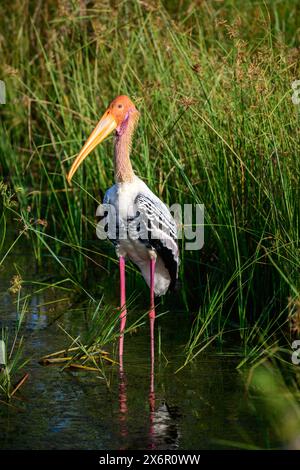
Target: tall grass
point(213, 83)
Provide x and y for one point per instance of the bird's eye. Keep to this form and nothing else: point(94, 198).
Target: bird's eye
point(120, 106)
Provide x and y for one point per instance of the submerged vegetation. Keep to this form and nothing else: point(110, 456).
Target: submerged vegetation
point(218, 127)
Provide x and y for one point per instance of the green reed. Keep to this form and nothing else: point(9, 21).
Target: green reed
point(217, 127)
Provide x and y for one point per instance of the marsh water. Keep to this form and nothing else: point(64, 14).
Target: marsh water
point(204, 405)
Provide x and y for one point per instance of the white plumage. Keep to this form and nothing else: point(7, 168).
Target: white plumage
point(149, 228)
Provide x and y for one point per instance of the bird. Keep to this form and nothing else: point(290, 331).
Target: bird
point(145, 232)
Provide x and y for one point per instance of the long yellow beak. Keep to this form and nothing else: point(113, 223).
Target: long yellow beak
point(105, 126)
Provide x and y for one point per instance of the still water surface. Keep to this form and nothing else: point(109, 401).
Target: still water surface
point(204, 406)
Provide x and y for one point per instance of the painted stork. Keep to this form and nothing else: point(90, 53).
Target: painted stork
point(155, 249)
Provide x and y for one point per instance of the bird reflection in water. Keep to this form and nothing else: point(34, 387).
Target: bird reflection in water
point(163, 421)
point(163, 430)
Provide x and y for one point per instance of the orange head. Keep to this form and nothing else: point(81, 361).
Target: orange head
point(122, 108)
point(120, 114)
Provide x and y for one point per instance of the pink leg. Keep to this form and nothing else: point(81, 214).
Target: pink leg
point(152, 392)
point(152, 308)
point(122, 401)
point(152, 432)
point(123, 313)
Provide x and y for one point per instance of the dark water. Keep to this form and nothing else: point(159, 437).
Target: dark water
point(202, 406)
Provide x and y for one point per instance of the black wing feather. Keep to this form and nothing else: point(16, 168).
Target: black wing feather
point(161, 233)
